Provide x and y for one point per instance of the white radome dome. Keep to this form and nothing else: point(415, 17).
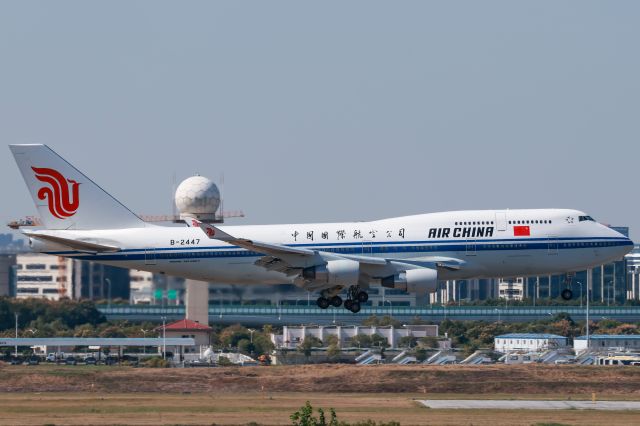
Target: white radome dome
point(197, 197)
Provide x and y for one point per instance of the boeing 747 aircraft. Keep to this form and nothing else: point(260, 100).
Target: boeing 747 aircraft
point(412, 253)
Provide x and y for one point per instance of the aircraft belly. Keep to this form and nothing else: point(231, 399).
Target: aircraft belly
point(211, 270)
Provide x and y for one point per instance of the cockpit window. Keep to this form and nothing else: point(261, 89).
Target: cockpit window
point(583, 218)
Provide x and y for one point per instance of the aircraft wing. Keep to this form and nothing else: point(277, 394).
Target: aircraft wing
point(292, 260)
point(257, 246)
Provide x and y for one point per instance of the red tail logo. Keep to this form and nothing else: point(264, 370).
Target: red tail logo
point(62, 194)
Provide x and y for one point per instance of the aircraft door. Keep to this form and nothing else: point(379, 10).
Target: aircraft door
point(149, 256)
point(471, 248)
point(501, 221)
point(367, 247)
point(553, 245)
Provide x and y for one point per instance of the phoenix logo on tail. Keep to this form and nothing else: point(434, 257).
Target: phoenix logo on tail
point(62, 195)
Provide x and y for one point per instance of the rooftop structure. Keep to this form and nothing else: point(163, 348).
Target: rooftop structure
point(607, 342)
point(291, 337)
point(535, 342)
point(186, 328)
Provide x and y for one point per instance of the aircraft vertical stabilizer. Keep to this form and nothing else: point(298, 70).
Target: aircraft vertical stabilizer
point(66, 198)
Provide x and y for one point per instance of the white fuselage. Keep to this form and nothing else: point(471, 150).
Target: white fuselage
point(491, 243)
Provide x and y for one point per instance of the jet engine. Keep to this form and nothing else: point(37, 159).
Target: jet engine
point(335, 272)
point(418, 281)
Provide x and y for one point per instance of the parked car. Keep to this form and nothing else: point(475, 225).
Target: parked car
point(16, 361)
point(111, 360)
point(71, 360)
point(33, 360)
point(90, 360)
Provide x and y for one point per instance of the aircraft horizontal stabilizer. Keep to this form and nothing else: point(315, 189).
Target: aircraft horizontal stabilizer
point(83, 246)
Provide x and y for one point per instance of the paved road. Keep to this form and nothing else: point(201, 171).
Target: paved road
point(529, 405)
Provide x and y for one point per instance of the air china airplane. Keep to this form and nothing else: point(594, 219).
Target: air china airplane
point(411, 253)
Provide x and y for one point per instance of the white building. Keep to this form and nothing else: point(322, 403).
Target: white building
point(43, 276)
point(532, 342)
point(141, 287)
point(512, 289)
point(633, 270)
point(291, 337)
point(607, 342)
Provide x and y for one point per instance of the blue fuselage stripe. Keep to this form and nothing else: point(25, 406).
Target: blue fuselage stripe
point(366, 248)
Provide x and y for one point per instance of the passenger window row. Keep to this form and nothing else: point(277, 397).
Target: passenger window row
point(528, 222)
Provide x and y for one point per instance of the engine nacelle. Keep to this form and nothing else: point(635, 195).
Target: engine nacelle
point(335, 272)
point(418, 281)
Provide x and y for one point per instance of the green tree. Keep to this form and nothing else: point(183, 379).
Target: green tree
point(360, 341)
point(430, 342)
point(421, 354)
point(230, 336)
point(333, 352)
point(304, 417)
point(308, 344)
point(381, 322)
point(407, 342)
point(379, 341)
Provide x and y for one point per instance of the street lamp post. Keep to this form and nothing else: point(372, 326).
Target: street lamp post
point(220, 304)
point(390, 306)
point(251, 331)
point(580, 292)
point(164, 338)
point(588, 317)
point(144, 333)
point(108, 281)
point(16, 348)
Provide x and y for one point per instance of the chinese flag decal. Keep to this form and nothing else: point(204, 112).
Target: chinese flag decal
point(521, 231)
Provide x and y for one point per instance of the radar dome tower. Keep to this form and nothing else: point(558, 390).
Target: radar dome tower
point(198, 197)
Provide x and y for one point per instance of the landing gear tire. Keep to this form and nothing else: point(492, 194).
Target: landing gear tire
point(348, 304)
point(355, 307)
point(322, 302)
point(566, 294)
point(362, 297)
point(336, 301)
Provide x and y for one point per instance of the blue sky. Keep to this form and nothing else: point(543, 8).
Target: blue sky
point(331, 111)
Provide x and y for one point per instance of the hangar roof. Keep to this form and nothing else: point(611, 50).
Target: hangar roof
point(530, 336)
point(610, 336)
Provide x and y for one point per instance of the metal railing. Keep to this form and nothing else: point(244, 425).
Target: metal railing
point(402, 311)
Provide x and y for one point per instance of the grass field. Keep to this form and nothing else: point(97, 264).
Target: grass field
point(81, 395)
point(261, 408)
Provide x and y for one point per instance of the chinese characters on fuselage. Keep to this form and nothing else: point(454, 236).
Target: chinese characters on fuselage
point(342, 234)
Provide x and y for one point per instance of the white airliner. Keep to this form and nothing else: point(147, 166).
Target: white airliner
point(412, 253)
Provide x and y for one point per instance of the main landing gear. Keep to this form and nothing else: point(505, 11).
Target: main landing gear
point(355, 296)
point(567, 293)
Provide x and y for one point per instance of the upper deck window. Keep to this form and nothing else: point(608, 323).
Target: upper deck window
point(584, 218)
